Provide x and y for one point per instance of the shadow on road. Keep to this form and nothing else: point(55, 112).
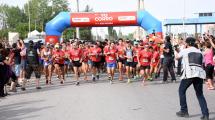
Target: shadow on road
point(16, 111)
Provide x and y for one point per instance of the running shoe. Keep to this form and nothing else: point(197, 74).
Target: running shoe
point(109, 77)
point(97, 76)
point(129, 81)
point(111, 81)
point(77, 83)
point(38, 88)
point(182, 114)
point(94, 79)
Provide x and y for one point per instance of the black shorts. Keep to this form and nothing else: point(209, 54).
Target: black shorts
point(144, 67)
point(33, 68)
point(76, 63)
point(134, 64)
point(121, 60)
point(96, 64)
point(60, 65)
point(209, 69)
point(129, 64)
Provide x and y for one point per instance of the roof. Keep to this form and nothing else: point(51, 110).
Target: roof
point(190, 21)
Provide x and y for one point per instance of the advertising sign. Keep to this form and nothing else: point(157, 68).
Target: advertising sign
point(103, 19)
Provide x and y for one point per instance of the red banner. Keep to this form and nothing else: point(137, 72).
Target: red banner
point(103, 19)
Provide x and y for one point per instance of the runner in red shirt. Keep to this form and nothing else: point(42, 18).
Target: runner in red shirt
point(144, 60)
point(85, 65)
point(136, 50)
point(111, 55)
point(155, 62)
point(76, 55)
point(58, 59)
point(121, 57)
point(95, 54)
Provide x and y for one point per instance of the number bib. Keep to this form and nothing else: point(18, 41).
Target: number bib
point(76, 59)
point(145, 60)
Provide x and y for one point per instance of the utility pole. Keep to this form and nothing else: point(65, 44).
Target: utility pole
point(139, 8)
point(184, 19)
point(29, 17)
point(77, 28)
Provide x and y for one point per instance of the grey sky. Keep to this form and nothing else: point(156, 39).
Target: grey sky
point(161, 9)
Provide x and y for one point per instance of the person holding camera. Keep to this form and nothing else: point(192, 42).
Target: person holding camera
point(192, 74)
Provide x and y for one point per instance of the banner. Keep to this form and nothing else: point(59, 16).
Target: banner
point(103, 19)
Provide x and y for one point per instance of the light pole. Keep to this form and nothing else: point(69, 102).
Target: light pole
point(184, 18)
point(29, 17)
point(77, 28)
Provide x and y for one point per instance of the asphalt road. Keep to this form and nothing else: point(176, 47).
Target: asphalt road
point(101, 101)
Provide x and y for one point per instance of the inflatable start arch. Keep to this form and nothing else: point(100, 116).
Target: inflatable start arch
point(63, 20)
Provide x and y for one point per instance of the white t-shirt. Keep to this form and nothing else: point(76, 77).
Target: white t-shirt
point(192, 60)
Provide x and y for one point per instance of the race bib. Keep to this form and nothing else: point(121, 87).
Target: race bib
point(121, 56)
point(76, 59)
point(111, 58)
point(145, 60)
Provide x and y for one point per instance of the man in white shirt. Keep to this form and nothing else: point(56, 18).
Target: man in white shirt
point(192, 73)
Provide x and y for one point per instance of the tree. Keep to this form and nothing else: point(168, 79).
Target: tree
point(85, 33)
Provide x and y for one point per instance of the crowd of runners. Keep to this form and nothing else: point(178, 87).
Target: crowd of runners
point(132, 59)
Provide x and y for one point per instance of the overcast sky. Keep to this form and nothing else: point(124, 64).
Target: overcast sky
point(161, 9)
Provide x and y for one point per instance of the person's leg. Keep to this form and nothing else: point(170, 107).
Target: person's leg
point(75, 68)
point(2, 89)
point(120, 70)
point(128, 73)
point(29, 71)
point(179, 67)
point(13, 82)
point(165, 72)
point(109, 71)
point(37, 72)
point(45, 69)
point(62, 73)
point(185, 83)
point(84, 69)
point(172, 73)
point(198, 86)
point(142, 73)
point(50, 73)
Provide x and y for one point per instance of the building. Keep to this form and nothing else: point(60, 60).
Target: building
point(2, 21)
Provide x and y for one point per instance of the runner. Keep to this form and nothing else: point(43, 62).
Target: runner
point(46, 55)
point(59, 59)
point(129, 60)
point(95, 56)
point(111, 55)
point(85, 66)
point(76, 55)
point(155, 62)
point(144, 61)
point(136, 51)
point(121, 58)
point(66, 50)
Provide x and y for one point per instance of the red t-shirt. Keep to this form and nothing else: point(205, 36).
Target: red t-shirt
point(136, 52)
point(95, 54)
point(110, 58)
point(59, 56)
point(76, 54)
point(145, 58)
point(121, 52)
point(156, 56)
point(85, 55)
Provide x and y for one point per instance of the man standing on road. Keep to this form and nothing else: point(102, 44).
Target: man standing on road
point(168, 60)
point(192, 73)
point(32, 65)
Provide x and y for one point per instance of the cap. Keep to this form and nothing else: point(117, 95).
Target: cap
point(57, 46)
